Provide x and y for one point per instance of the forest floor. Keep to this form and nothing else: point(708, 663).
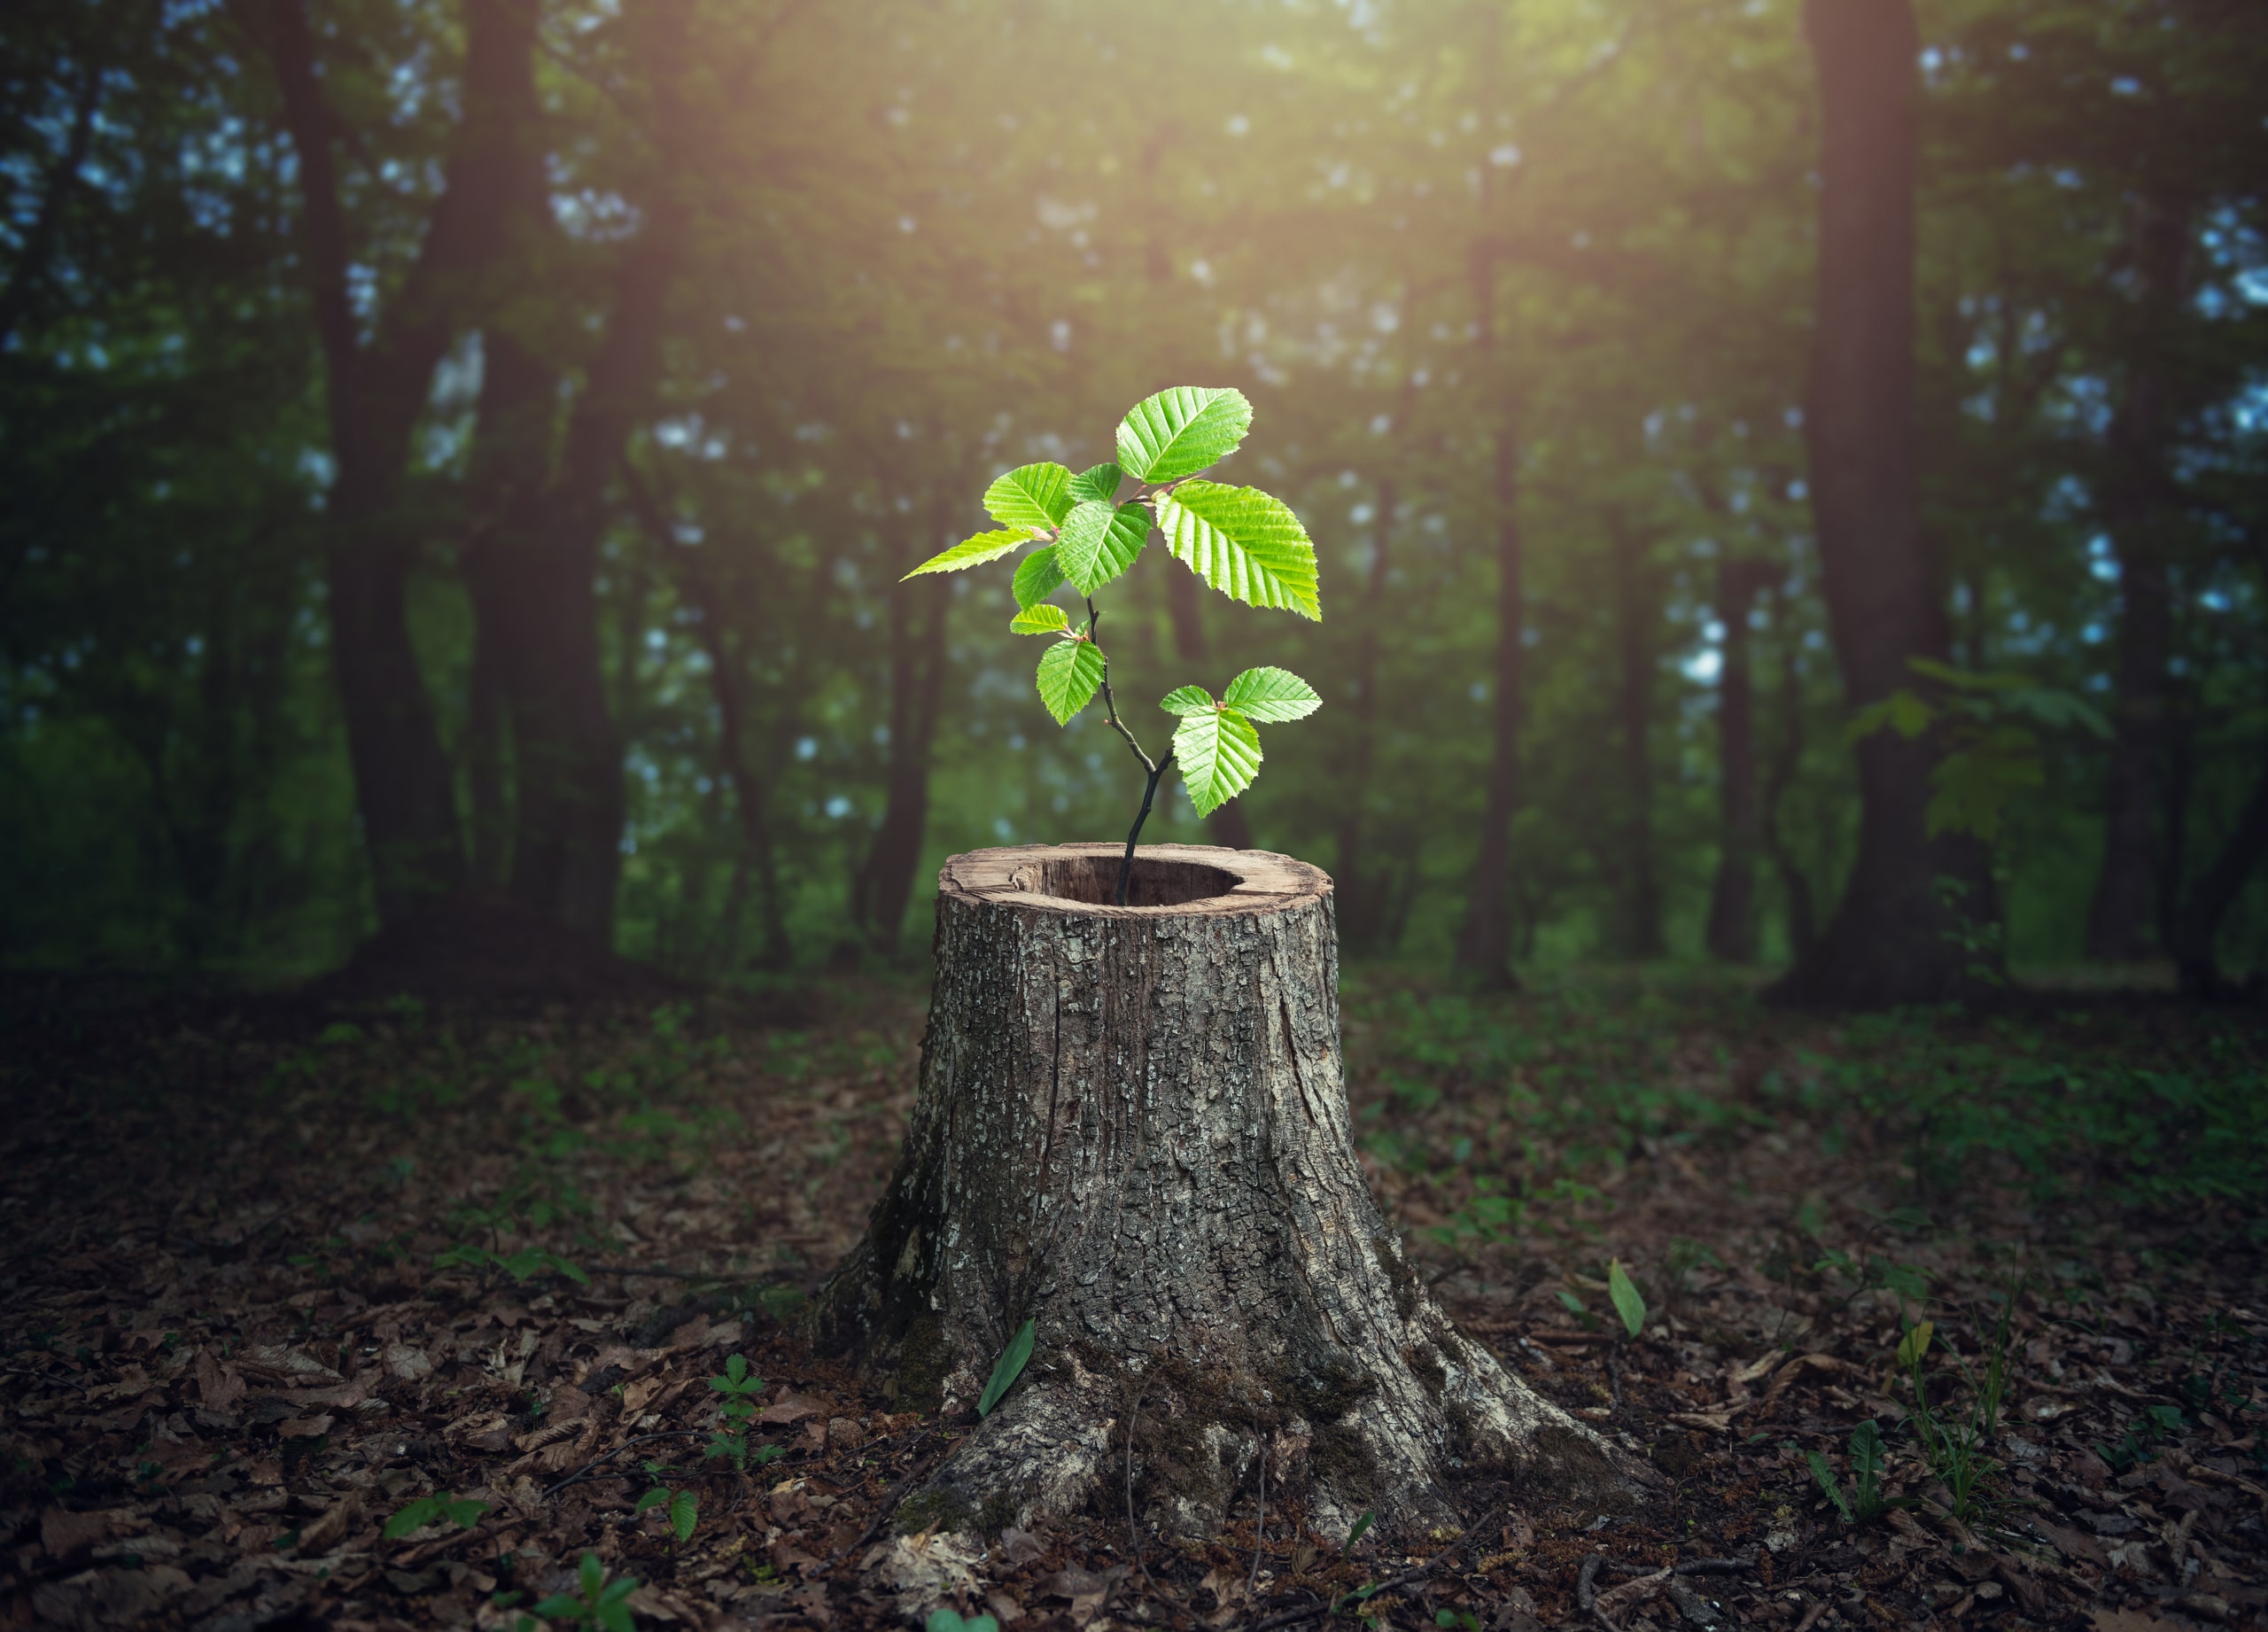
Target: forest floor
point(373, 1313)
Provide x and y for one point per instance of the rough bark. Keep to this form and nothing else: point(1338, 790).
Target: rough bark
point(1916, 915)
point(1732, 901)
point(2139, 513)
point(1131, 1130)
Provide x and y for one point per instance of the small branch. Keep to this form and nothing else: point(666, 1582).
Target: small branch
point(1110, 703)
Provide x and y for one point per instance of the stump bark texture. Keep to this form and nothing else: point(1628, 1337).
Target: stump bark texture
point(1131, 1128)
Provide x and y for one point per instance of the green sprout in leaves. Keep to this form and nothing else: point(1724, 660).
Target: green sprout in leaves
point(948, 1620)
point(1628, 1300)
point(1007, 1368)
point(682, 1508)
point(1245, 543)
point(735, 1414)
point(602, 1603)
point(462, 1511)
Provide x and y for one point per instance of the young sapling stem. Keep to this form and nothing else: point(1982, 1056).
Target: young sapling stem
point(1076, 530)
point(1154, 770)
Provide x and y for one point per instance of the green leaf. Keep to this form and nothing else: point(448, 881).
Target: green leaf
point(415, 1516)
point(1627, 1304)
point(593, 1576)
point(685, 1513)
point(1245, 543)
point(975, 552)
point(1070, 671)
point(1099, 541)
point(1220, 754)
point(1038, 577)
point(561, 1606)
point(1825, 1475)
point(616, 1617)
point(1097, 482)
point(1181, 430)
point(463, 1511)
point(1008, 1367)
point(1271, 696)
point(1046, 619)
point(1036, 496)
point(1915, 1343)
point(1185, 700)
point(651, 1500)
point(1361, 1525)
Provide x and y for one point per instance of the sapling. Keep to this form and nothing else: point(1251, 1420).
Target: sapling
point(1245, 543)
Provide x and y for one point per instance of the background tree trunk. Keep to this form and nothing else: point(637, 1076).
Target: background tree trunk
point(1362, 890)
point(1732, 901)
point(1131, 1129)
point(1787, 759)
point(917, 673)
point(1637, 612)
point(1915, 910)
point(2215, 890)
point(2138, 508)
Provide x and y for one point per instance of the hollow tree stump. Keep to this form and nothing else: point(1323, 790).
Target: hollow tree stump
point(1131, 1127)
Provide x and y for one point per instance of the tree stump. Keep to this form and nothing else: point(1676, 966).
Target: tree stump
point(1131, 1128)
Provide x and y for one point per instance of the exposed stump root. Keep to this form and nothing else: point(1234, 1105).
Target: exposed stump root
point(1131, 1128)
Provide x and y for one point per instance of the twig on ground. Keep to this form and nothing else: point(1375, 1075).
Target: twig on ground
point(665, 1434)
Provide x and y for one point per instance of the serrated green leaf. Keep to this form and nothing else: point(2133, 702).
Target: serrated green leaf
point(685, 1514)
point(1220, 754)
point(1099, 541)
point(1181, 430)
point(1185, 700)
point(561, 1606)
point(1046, 619)
point(1007, 1368)
point(1271, 696)
point(1627, 1301)
point(1825, 1477)
point(976, 551)
point(593, 1574)
point(1034, 495)
point(616, 1618)
point(1070, 671)
point(651, 1500)
point(1245, 543)
point(1097, 482)
point(415, 1516)
point(463, 1511)
point(1039, 576)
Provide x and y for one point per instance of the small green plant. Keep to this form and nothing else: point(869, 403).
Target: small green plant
point(1866, 1502)
point(462, 1511)
point(682, 1508)
point(1628, 1303)
point(1007, 1368)
point(601, 1604)
point(1245, 543)
point(1461, 1620)
point(942, 1620)
point(1954, 1446)
point(736, 1414)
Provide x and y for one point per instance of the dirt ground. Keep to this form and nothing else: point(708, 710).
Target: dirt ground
point(353, 1311)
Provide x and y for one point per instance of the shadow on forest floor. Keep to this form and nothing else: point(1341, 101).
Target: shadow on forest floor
point(354, 1315)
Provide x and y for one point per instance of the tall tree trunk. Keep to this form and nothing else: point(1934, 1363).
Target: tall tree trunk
point(2217, 890)
point(1484, 942)
point(1787, 760)
point(1638, 930)
point(374, 394)
point(2136, 510)
point(1914, 909)
point(1362, 893)
point(535, 570)
point(1132, 1132)
point(917, 665)
point(45, 237)
point(1732, 901)
point(1228, 825)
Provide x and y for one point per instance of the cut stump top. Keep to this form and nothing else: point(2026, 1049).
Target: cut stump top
point(1169, 881)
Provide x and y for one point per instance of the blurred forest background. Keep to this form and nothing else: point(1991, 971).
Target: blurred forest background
point(462, 443)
